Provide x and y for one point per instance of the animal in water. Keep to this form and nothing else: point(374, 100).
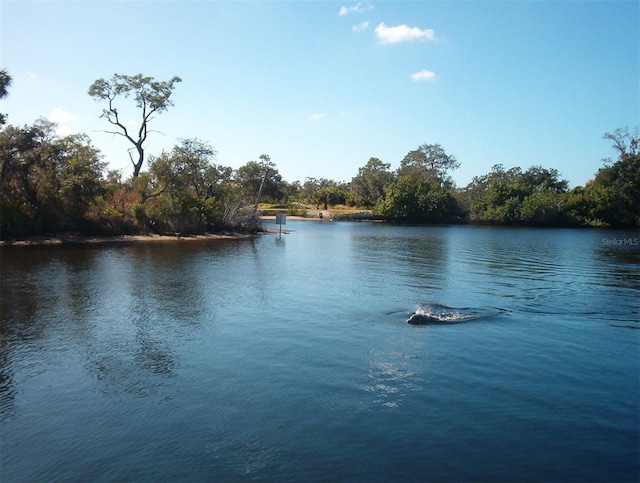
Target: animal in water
point(420, 318)
point(423, 317)
point(428, 314)
point(437, 314)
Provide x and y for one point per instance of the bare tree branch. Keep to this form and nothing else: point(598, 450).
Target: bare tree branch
point(150, 96)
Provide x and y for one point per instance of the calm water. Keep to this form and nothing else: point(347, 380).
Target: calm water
point(289, 358)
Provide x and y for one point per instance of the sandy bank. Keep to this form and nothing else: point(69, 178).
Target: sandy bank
point(272, 219)
point(84, 240)
point(269, 223)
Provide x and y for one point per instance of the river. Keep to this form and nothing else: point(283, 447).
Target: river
point(288, 358)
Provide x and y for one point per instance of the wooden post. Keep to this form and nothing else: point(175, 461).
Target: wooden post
point(281, 219)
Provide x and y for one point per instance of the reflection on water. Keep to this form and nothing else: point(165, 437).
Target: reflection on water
point(290, 358)
point(400, 256)
point(391, 377)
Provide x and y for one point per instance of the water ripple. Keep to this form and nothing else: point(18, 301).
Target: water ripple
point(280, 359)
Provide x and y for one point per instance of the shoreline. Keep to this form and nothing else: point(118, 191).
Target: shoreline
point(106, 240)
point(58, 240)
point(272, 218)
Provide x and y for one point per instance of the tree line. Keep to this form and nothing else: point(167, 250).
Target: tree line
point(51, 184)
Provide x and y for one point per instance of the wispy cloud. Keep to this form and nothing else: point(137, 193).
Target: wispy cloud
point(63, 119)
point(424, 75)
point(402, 33)
point(32, 75)
point(316, 117)
point(361, 27)
point(61, 116)
point(357, 8)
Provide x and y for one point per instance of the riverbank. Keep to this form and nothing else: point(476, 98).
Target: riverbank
point(103, 240)
point(326, 215)
point(117, 239)
point(269, 219)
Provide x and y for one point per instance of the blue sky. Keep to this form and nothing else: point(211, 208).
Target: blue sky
point(323, 86)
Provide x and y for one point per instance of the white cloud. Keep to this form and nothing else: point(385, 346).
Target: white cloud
point(59, 115)
point(32, 75)
point(361, 27)
point(423, 75)
point(316, 117)
point(63, 119)
point(63, 130)
point(402, 33)
point(357, 8)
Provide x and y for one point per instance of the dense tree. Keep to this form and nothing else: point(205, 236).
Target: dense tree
point(538, 179)
point(260, 179)
point(323, 192)
point(79, 176)
point(422, 191)
point(430, 162)
point(334, 193)
point(5, 82)
point(532, 197)
point(151, 97)
point(51, 184)
point(47, 183)
point(186, 192)
point(369, 185)
point(24, 153)
point(180, 192)
point(309, 191)
point(291, 191)
point(544, 207)
point(614, 195)
point(188, 166)
point(418, 200)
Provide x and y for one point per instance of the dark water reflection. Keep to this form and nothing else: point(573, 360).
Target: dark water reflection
point(290, 359)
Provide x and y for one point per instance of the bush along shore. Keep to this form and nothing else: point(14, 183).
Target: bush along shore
point(52, 184)
point(59, 185)
point(71, 239)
